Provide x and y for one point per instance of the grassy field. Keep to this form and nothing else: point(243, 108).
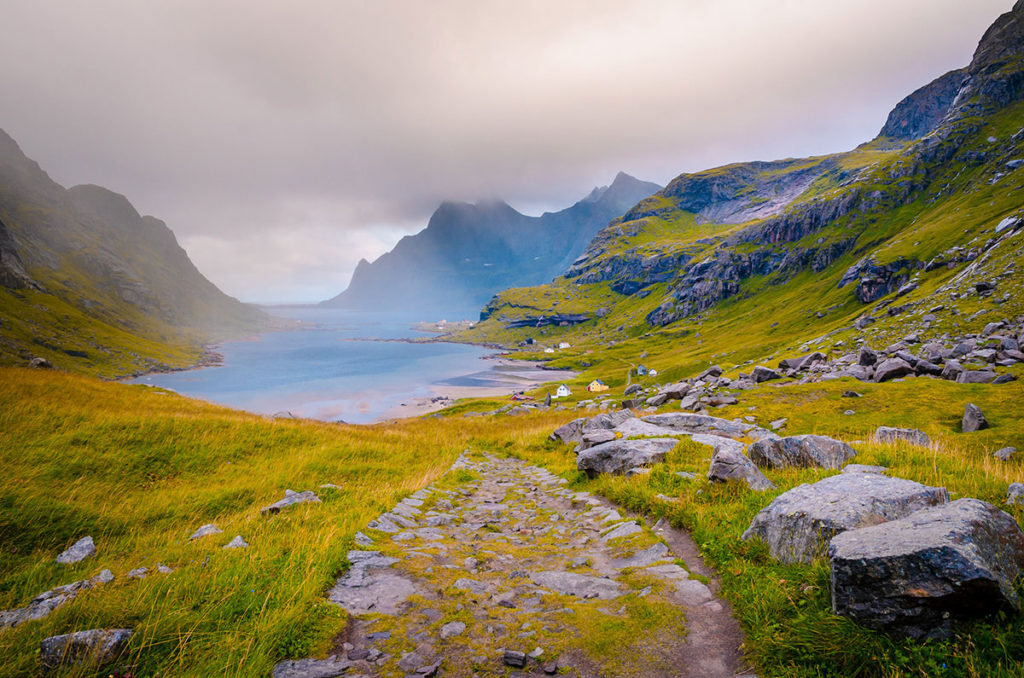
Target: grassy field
point(140, 469)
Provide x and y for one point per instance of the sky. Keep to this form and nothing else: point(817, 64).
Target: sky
point(283, 141)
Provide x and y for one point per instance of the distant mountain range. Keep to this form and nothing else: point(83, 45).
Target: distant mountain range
point(467, 253)
point(89, 284)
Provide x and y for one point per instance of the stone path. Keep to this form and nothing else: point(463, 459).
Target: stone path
point(511, 574)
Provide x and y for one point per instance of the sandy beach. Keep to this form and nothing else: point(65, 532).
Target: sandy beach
point(504, 378)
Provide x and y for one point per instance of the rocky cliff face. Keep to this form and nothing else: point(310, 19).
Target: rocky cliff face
point(87, 250)
point(468, 252)
point(774, 221)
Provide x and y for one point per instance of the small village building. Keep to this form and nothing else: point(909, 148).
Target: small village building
point(596, 386)
point(563, 391)
point(652, 372)
point(549, 350)
point(641, 370)
point(563, 344)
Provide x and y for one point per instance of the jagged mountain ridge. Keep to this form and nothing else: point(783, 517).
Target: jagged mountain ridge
point(736, 231)
point(468, 252)
point(89, 283)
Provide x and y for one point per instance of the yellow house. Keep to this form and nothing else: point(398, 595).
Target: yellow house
point(597, 385)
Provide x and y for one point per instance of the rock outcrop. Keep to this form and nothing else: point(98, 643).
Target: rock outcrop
point(918, 575)
point(95, 647)
point(619, 457)
point(798, 524)
point(801, 451)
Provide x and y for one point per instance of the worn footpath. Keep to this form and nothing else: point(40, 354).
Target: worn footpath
point(509, 573)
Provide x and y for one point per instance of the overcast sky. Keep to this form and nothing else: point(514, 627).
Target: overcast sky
point(282, 141)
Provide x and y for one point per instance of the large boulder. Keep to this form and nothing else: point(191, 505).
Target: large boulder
point(618, 457)
point(569, 433)
point(703, 423)
point(893, 368)
point(888, 434)
point(730, 464)
point(762, 374)
point(976, 377)
point(798, 525)
point(592, 438)
point(801, 451)
point(676, 391)
point(973, 419)
point(96, 647)
point(917, 575)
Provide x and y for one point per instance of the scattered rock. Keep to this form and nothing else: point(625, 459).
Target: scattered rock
point(452, 629)
point(867, 357)
point(371, 585)
point(851, 394)
point(138, 573)
point(729, 464)
point(82, 549)
point(892, 368)
point(976, 377)
point(1015, 493)
point(48, 601)
point(290, 499)
point(702, 423)
point(96, 647)
point(778, 423)
point(40, 364)
point(801, 451)
point(798, 524)
point(163, 569)
point(916, 575)
point(620, 456)
point(887, 434)
point(578, 585)
point(973, 419)
point(1004, 454)
point(514, 659)
point(205, 531)
point(236, 543)
point(762, 374)
point(312, 668)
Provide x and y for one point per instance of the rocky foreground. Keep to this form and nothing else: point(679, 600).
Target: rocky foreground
point(512, 574)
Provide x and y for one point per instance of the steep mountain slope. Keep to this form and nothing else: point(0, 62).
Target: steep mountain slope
point(764, 256)
point(88, 283)
point(468, 252)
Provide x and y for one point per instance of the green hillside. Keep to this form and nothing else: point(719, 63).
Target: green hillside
point(90, 285)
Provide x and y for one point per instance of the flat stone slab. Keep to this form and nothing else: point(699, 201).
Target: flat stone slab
point(82, 549)
point(798, 524)
point(643, 558)
point(312, 668)
point(888, 434)
point(48, 601)
point(638, 427)
point(621, 456)
point(621, 530)
point(579, 585)
point(205, 531)
point(371, 585)
point(703, 423)
point(290, 499)
point(96, 646)
point(802, 451)
point(917, 575)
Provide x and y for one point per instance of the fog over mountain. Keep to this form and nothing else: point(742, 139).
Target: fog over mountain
point(282, 143)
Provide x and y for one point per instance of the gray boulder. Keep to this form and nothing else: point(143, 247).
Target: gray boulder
point(729, 464)
point(205, 531)
point(801, 451)
point(864, 468)
point(618, 457)
point(762, 374)
point(676, 391)
point(916, 576)
point(951, 370)
point(703, 423)
point(925, 367)
point(1005, 453)
point(82, 549)
point(976, 377)
point(973, 419)
point(569, 433)
point(312, 668)
point(40, 364)
point(290, 499)
point(798, 524)
point(48, 601)
point(888, 434)
point(95, 647)
point(893, 368)
point(579, 585)
point(867, 357)
point(596, 437)
point(1015, 493)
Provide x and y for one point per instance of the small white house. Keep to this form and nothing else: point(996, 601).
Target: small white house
point(563, 391)
point(549, 350)
point(652, 372)
point(563, 344)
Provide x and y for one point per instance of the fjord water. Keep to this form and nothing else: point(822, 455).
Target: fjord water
point(326, 369)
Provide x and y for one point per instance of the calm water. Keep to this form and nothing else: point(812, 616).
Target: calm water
point(316, 371)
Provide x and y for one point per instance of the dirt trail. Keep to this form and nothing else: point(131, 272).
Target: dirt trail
point(510, 574)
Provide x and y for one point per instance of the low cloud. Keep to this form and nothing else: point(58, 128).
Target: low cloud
point(283, 142)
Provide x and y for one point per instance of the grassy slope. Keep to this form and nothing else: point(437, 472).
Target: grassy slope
point(140, 469)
